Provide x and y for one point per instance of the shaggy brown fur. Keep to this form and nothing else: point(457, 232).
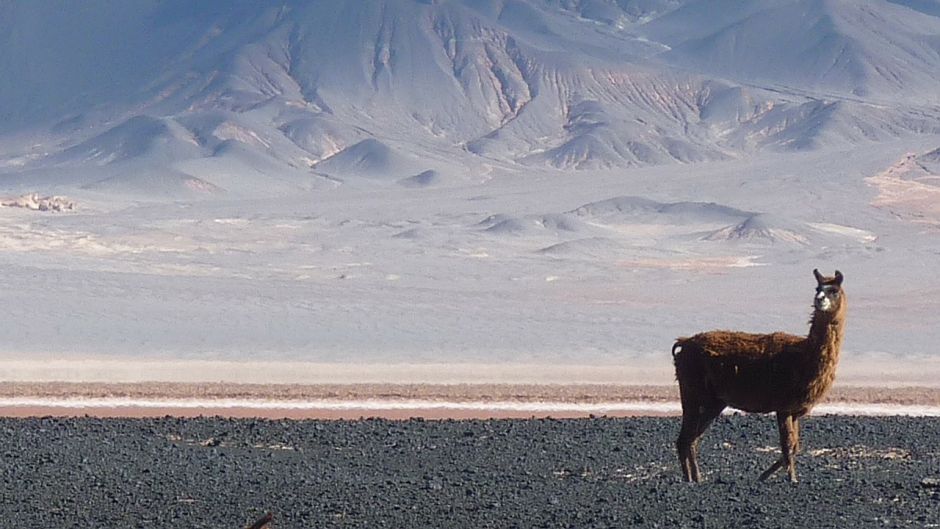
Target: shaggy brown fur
point(759, 373)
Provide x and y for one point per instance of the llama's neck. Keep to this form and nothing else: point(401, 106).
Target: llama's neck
point(824, 343)
point(825, 334)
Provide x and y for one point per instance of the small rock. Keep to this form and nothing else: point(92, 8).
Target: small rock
point(930, 483)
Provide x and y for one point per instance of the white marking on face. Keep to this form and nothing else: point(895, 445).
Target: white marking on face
point(824, 297)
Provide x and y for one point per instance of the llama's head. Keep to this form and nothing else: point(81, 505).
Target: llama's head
point(829, 297)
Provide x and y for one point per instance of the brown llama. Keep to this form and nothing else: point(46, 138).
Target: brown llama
point(760, 373)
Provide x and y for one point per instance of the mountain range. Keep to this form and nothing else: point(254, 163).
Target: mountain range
point(183, 99)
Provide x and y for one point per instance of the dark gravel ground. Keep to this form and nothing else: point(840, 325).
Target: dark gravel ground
point(224, 473)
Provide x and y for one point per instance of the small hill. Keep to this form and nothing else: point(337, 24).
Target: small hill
point(155, 183)
point(320, 136)
point(761, 228)
point(140, 138)
point(422, 179)
point(632, 209)
point(549, 224)
point(601, 247)
point(371, 159)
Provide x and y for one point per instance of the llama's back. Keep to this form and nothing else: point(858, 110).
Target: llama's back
point(742, 346)
point(749, 371)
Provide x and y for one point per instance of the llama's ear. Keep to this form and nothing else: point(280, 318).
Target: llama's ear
point(819, 277)
point(839, 278)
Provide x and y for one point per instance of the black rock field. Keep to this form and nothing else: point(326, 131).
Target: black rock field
point(219, 473)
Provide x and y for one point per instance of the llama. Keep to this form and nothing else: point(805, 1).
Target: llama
point(759, 373)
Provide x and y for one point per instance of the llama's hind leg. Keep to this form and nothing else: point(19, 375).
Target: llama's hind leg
point(684, 446)
point(695, 420)
point(789, 429)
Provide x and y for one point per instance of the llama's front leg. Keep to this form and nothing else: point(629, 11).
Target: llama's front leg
point(794, 442)
point(789, 442)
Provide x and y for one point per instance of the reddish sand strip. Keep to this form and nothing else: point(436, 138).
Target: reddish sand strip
point(299, 414)
point(564, 393)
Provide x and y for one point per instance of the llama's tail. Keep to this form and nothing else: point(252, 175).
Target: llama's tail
point(684, 351)
point(680, 357)
point(677, 347)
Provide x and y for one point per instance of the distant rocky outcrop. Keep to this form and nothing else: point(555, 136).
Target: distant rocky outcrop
point(38, 203)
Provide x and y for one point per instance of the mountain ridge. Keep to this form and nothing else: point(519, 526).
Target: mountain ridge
point(549, 85)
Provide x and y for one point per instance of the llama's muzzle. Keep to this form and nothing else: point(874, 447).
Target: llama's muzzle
point(822, 302)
